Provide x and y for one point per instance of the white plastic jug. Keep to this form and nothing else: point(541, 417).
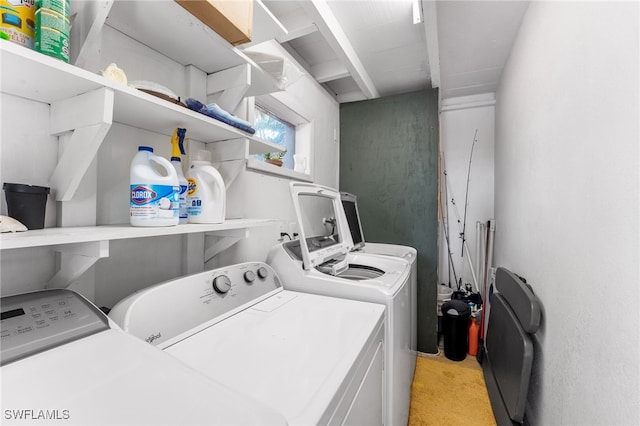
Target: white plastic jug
point(154, 198)
point(206, 195)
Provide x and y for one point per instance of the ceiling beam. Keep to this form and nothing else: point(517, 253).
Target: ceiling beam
point(301, 61)
point(351, 97)
point(431, 30)
point(297, 23)
point(300, 32)
point(329, 71)
point(333, 33)
point(265, 25)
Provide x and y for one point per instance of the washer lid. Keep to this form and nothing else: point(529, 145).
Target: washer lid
point(322, 224)
point(294, 351)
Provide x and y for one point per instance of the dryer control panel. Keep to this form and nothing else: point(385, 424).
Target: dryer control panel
point(41, 320)
point(162, 313)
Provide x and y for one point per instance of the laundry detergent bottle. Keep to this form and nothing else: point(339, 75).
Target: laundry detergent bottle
point(206, 195)
point(154, 192)
point(177, 149)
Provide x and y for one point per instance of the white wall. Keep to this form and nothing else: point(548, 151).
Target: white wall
point(29, 155)
point(255, 194)
point(567, 204)
point(459, 120)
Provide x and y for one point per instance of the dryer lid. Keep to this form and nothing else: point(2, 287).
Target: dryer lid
point(322, 223)
point(350, 206)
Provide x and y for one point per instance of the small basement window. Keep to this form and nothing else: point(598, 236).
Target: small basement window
point(279, 121)
point(273, 129)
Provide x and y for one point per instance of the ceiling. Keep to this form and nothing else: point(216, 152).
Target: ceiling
point(364, 49)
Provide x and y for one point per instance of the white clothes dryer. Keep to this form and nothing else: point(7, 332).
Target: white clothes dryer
point(350, 205)
point(64, 362)
point(320, 262)
point(317, 360)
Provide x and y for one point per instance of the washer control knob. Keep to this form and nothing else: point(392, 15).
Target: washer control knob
point(249, 276)
point(221, 284)
point(263, 272)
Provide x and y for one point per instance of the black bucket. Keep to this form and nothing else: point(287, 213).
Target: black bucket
point(26, 203)
point(455, 327)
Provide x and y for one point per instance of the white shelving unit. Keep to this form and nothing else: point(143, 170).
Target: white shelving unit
point(92, 234)
point(81, 247)
point(88, 103)
point(31, 75)
point(168, 28)
point(83, 105)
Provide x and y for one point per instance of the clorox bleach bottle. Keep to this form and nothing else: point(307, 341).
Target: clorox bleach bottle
point(206, 195)
point(154, 197)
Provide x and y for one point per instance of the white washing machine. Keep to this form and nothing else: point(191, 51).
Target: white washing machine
point(317, 360)
point(320, 262)
point(64, 362)
point(350, 205)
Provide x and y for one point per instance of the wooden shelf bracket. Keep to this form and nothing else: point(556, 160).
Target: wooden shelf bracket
point(75, 260)
point(230, 86)
point(88, 117)
point(222, 240)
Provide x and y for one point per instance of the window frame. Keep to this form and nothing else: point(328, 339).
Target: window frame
point(289, 141)
point(304, 130)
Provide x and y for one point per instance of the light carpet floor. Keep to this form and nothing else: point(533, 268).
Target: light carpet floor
point(449, 393)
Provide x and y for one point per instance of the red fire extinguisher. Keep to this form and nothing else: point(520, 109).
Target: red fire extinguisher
point(473, 337)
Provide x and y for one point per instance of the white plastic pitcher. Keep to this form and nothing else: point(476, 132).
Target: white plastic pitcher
point(206, 195)
point(154, 198)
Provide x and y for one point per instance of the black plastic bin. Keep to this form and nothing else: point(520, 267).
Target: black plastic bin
point(26, 203)
point(455, 328)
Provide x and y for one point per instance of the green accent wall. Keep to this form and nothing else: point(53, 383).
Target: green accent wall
point(389, 160)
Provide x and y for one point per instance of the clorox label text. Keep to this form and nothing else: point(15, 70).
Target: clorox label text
point(142, 195)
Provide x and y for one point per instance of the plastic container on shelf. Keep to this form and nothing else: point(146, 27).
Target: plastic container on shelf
point(26, 203)
point(206, 194)
point(177, 150)
point(184, 184)
point(154, 198)
point(52, 28)
point(18, 22)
